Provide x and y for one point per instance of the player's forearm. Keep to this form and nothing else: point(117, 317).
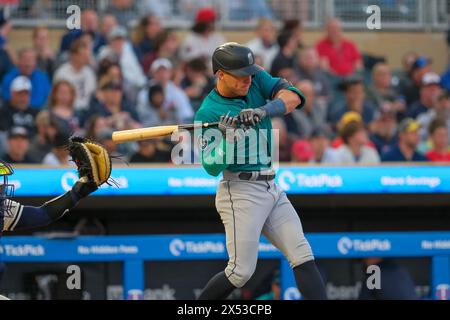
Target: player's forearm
point(291, 100)
point(53, 210)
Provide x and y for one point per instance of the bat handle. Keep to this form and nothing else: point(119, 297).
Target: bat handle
point(193, 126)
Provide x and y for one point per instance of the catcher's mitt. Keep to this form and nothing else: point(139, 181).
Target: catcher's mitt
point(92, 160)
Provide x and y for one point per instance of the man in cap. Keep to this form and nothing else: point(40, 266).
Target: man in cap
point(175, 100)
point(18, 112)
point(409, 87)
point(429, 91)
point(18, 146)
point(120, 49)
point(202, 41)
point(248, 200)
point(406, 149)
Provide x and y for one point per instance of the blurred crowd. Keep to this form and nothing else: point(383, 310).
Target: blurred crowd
point(109, 76)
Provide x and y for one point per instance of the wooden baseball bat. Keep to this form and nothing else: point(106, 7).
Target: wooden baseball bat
point(153, 132)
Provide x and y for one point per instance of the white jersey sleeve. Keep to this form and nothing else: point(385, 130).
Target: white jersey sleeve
point(12, 217)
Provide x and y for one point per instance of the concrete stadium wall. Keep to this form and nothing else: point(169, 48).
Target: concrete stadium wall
point(389, 44)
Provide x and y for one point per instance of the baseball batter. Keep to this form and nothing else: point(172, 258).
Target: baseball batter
point(248, 200)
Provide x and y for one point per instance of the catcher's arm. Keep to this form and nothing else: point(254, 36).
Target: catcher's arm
point(94, 169)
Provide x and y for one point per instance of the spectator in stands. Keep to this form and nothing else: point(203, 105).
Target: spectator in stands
point(120, 115)
point(166, 46)
point(408, 60)
point(320, 143)
point(61, 106)
point(302, 122)
point(384, 131)
point(440, 110)
point(339, 56)
point(7, 56)
point(108, 23)
point(88, 39)
point(203, 40)
point(355, 100)
point(59, 154)
point(308, 68)
point(144, 36)
point(89, 24)
point(294, 26)
point(381, 89)
point(285, 142)
point(94, 125)
point(125, 11)
point(154, 113)
point(174, 98)
point(409, 87)
point(302, 151)
point(18, 112)
point(41, 143)
point(18, 145)
point(44, 52)
point(79, 73)
point(439, 135)
point(265, 44)
point(429, 91)
point(406, 149)
point(355, 149)
point(120, 49)
point(109, 68)
point(27, 67)
point(155, 150)
point(197, 83)
point(286, 57)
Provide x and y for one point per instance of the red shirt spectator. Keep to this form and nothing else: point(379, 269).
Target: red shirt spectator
point(339, 55)
point(439, 136)
point(436, 156)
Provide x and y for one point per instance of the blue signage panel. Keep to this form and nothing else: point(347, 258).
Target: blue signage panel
point(166, 181)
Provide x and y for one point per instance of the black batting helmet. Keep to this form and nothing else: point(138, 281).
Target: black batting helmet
point(236, 59)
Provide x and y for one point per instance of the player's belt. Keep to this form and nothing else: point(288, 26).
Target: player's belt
point(249, 176)
point(259, 177)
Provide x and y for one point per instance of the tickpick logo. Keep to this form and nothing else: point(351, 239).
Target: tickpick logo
point(344, 245)
point(176, 246)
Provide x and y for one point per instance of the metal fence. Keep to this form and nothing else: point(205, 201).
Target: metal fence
point(243, 14)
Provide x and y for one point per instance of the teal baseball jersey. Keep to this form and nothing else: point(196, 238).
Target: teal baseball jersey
point(257, 144)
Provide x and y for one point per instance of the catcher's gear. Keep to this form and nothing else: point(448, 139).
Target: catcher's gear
point(6, 191)
point(93, 163)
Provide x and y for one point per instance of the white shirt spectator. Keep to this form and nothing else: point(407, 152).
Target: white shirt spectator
point(197, 46)
point(129, 64)
point(51, 160)
point(329, 156)
point(174, 98)
point(368, 155)
point(267, 54)
point(84, 81)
